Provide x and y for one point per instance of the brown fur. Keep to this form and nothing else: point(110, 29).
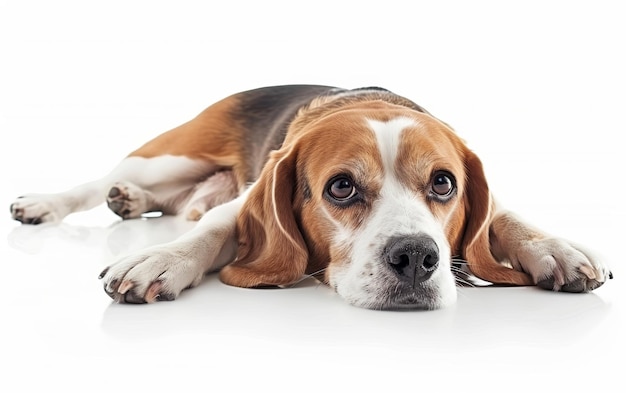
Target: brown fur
point(213, 136)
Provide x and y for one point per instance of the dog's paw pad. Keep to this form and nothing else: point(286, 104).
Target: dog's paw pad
point(114, 192)
point(126, 200)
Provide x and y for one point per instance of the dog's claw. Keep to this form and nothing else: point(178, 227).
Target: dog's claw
point(125, 286)
point(103, 273)
point(154, 291)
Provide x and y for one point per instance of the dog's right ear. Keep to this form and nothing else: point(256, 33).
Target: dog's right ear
point(271, 249)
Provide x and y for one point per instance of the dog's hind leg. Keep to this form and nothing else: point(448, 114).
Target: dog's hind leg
point(164, 172)
point(45, 208)
point(136, 186)
point(164, 183)
point(219, 188)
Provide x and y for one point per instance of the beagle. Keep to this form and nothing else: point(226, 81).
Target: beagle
point(362, 189)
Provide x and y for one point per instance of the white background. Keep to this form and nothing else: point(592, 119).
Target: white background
point(536, 89)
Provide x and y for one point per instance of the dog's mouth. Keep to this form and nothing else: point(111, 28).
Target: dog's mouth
point(407, 297)
point(402, 296)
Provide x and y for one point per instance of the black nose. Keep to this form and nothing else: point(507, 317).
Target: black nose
point(412, 258)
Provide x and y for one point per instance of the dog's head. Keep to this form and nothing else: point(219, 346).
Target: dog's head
point(374, 199)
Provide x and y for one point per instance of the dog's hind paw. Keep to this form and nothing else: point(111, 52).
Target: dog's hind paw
point(38, 209)
point(127, 200)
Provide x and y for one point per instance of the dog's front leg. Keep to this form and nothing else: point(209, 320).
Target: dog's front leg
point(162, 272)
point(554, 264)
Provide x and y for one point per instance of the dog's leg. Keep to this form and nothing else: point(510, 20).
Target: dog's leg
point(217, 189)
point(44, 208)
point(553, 263)
point(128, 200)
point(137, 185)
point(162, 272)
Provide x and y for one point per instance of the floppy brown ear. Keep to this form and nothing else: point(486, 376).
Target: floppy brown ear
point(479, 213)
point(271, 249)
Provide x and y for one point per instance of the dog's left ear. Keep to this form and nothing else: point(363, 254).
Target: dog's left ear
point(479, 210)
point(271, 249)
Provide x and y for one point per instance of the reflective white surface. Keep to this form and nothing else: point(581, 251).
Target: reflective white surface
point(536, 90)
point(60, 324)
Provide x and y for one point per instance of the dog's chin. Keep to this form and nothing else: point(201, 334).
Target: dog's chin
point(406, 298)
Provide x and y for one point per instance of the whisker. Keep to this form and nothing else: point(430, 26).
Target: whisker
point(463, 277)
point(456, 259)
point(459, 281)
point(305, 277)
point(463, 283)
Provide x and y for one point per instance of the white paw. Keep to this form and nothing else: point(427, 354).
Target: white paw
point(38, 209)
point(127, 200)
point(557, 265)
point(157, 273)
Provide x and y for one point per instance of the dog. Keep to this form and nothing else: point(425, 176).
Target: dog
point(362, 189)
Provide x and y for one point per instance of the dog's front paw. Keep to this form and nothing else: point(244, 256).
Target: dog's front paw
point(557, 265)
point(38, 209)
point(154, 274)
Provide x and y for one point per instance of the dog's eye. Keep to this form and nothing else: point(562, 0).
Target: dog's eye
point(341, 189)
point(442, 184)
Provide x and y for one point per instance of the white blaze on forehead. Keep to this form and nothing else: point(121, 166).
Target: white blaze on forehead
point(388, 137)
point(397, 210)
